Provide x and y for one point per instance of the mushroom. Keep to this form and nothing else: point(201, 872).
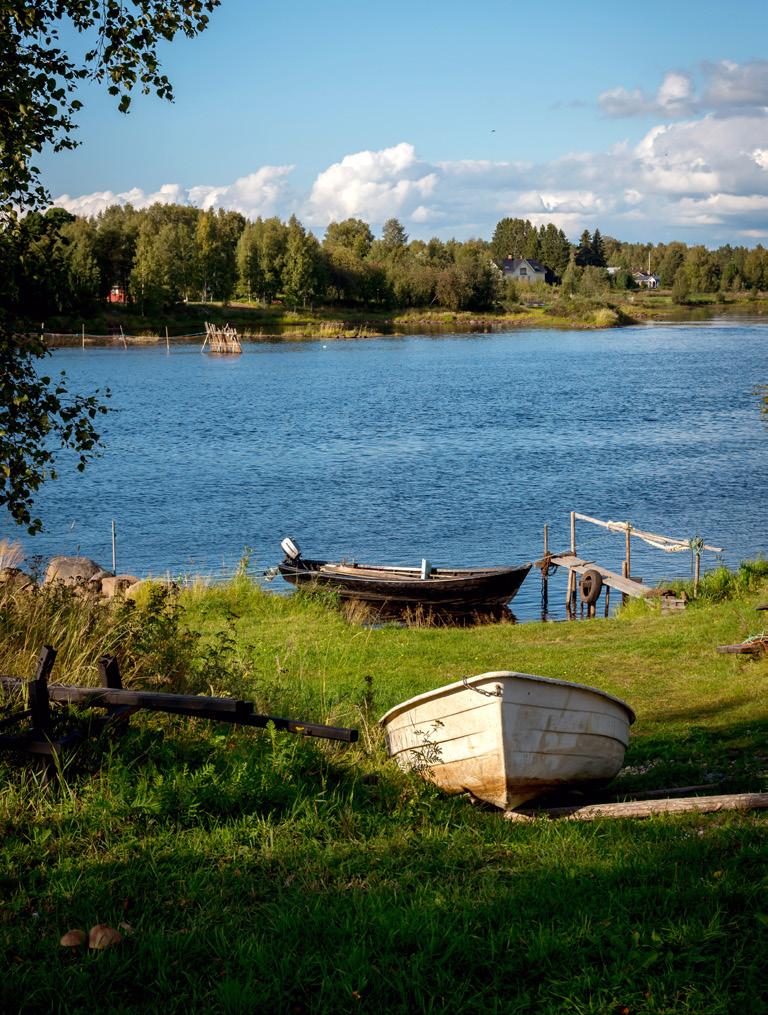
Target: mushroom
point(103, 936)
point(73, 938)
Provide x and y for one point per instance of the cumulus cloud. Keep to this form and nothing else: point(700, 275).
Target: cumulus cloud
point(264, 192)
point(372, 185)
point(724, 88)
point(703, 178)
point(673, 98)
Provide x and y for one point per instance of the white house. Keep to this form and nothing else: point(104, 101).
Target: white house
point(524, 269)
point(645, 278)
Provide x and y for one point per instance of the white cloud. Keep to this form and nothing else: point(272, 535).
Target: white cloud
point(725, 88)
point(371, 185)
point(264, 192)
point(704, 179)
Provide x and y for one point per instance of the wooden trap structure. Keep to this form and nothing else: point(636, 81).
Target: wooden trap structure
point(51, 733)
point(221, 340)
point(590, 578)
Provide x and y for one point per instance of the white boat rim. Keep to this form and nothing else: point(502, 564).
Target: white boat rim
point(438, 692)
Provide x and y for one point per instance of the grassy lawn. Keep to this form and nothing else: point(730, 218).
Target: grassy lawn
point(261, 872)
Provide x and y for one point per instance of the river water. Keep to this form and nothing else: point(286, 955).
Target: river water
point(454, 448)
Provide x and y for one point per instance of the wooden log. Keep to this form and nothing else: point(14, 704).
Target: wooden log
point(650, 808)
point(745, 648)
point(193, 705)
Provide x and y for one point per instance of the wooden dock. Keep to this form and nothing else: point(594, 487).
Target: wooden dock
point(627, 586)
point(589, 578)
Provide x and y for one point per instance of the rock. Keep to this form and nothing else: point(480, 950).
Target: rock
point(13, 579)
point(71, 570)
point(117, 584)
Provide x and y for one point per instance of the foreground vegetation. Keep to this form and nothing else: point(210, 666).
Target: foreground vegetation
point(258, 871)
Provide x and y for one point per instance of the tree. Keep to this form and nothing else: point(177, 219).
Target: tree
point(352, 234)
point(38, 83)
point(571, 276)
point(301, 269)
point(584, 251)
point(681, 287)
point(598, 252)
point(514, 238)
point(394, 236)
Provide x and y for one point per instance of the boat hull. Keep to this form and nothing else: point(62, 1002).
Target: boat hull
point(508, 737)
point(482, 589)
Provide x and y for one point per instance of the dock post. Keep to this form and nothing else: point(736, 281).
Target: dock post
point(629, 551)
point(573, 533)
point(624, 574)
point(545, 575)
point(114, 547)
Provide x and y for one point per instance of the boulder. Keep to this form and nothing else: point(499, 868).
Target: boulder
point(71, 570)
point(117, 584)
point(13, 579)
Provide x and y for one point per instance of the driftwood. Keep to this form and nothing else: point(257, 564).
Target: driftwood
point(745, 648)
point(649, 808)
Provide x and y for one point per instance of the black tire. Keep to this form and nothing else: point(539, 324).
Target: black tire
point(590, 587)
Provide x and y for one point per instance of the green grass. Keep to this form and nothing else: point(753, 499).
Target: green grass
point(261, 872)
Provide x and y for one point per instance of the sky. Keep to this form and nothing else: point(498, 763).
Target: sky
point(648, 121)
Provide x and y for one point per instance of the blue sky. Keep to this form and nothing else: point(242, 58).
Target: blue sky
point(648, 121)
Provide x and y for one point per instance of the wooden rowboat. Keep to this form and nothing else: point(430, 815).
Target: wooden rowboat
point(450, 589)
point(507, 737)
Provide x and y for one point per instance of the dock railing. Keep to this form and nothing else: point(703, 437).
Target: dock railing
point(624, 583)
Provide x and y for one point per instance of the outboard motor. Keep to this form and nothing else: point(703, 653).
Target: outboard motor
point(290, 549)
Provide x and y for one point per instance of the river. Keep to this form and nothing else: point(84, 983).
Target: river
point(454, 448)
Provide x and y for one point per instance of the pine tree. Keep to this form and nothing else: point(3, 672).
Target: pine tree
point(598, 251)
point(584, 250)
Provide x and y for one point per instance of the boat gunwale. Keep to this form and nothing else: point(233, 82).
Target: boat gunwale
point(439, 692)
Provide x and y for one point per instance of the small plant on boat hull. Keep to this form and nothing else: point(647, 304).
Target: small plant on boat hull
point(428, 754)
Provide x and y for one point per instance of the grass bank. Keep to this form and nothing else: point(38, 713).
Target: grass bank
point(257, 323)
point(262, 872)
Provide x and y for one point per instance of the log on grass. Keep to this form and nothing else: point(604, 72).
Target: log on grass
point(649, 808)
point(745, 648)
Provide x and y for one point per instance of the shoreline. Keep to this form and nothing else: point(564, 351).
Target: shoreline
point(257, 325)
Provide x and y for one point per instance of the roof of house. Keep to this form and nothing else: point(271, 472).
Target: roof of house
point(513, 263)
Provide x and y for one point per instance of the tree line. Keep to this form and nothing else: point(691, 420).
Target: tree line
point(58, 263)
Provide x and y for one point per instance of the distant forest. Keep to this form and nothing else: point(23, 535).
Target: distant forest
point(56, 263)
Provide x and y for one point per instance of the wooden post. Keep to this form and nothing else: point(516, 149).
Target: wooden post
point(624, 574)
point(39, 704)
point(114, 547)
point(167, 342)
point(573, 533)
point(629, 551)
point(546, 540)
point(83, 336)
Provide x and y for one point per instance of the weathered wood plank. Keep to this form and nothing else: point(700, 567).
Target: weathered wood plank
point(218, 709)
point(650, 808)
point(627, 586)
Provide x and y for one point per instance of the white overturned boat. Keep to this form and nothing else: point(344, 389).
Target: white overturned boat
point(506, 737)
